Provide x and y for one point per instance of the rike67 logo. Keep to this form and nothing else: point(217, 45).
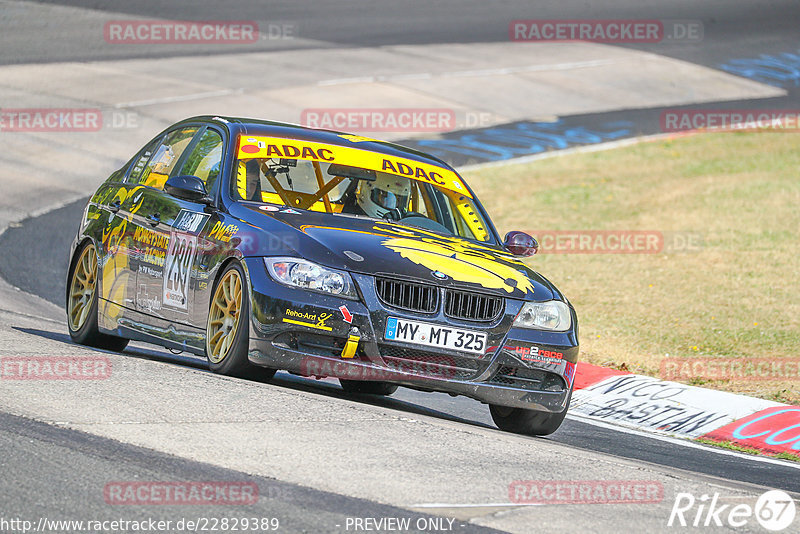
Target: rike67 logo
point(774, 510)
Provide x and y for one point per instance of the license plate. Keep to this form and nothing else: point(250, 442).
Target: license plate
point(434, 335)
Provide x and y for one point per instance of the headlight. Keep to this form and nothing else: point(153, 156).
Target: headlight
point(304, 274)
point(551, 315)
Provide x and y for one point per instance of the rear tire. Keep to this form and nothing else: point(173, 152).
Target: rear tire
point(527, 422)
point(81, 302)
point(368, 387)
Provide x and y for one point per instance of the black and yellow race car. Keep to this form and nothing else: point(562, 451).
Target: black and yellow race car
point(267, 246)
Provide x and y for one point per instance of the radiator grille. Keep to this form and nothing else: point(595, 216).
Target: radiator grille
point(424, 298)
point(408, 296)
point(471, 306)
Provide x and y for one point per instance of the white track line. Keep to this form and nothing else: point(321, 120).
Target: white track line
point(597, 147)
point(181, 98)
point(489, 505)
point(470, 73)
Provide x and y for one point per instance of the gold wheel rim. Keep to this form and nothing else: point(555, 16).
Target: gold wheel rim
point(82, 287)
point(223, 317)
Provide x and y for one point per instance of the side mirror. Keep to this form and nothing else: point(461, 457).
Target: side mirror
point(520, 244)
point(187, 187)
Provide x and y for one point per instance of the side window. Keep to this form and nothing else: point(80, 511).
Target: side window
point(206, 159)
point(141, 161)
point(160, 166)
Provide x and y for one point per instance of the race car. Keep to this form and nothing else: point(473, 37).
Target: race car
point(265, 246)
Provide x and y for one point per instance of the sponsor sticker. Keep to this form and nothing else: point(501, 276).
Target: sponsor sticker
point(346, 315)
point(189, 221)
point(536, 354)
point(569, 373)
point(144, 302)
point(151, 247)
point(311, 320)
point(223, 232)
point(276, 147)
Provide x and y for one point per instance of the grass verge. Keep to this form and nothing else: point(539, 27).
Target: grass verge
point(736, 295)
point(747, 450)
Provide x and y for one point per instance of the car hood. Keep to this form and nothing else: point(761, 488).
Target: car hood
point(373, 247)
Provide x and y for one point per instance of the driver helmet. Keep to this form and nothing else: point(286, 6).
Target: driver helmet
point(386, 193)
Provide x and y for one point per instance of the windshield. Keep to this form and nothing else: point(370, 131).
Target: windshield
point(329, 181)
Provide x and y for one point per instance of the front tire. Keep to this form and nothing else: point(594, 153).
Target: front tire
point(227, 335)
point(368, 387)
point(527, 422)
point(81, 302)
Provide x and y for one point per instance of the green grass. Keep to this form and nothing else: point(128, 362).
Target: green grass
point(737, 297)
point(747, 450)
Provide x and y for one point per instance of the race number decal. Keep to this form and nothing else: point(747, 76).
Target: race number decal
point(177, 268)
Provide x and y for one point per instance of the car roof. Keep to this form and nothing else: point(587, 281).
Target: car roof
point(246, 126)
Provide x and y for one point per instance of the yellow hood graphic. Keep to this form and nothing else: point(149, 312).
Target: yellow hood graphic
point(462, 262)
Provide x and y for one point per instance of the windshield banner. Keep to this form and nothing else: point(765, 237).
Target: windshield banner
point(278, 147)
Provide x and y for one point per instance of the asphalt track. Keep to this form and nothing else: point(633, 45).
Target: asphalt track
point(731, 28)
point(44, 238)
point(79, 461)
point(33, 258)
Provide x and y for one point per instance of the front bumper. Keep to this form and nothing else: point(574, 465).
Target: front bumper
point(305, 333)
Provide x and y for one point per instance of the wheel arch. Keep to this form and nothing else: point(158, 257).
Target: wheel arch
point(223, 265)
point(73, 258)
